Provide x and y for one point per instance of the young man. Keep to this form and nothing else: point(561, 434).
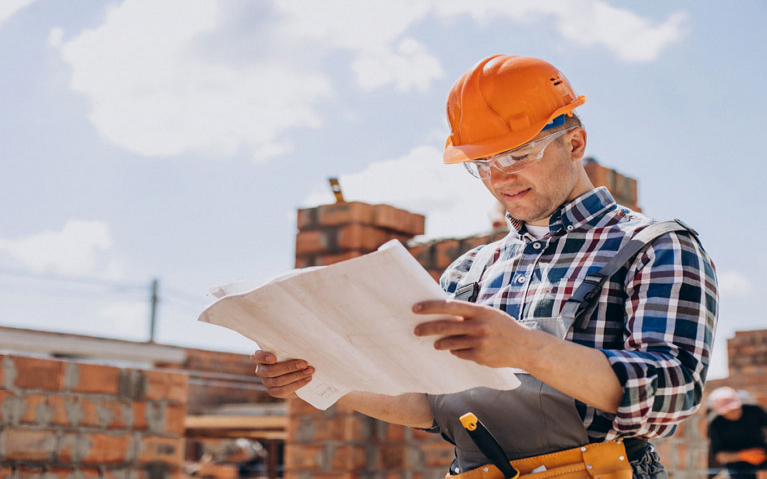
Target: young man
point(633, 369)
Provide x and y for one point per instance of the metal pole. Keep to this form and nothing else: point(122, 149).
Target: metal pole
point(153, 311)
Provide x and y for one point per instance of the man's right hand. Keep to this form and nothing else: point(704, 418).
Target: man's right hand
point(282, 379)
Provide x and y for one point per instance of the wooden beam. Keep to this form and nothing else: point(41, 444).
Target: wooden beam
point(236, 422)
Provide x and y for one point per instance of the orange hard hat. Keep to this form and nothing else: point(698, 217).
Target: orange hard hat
point(502, 103)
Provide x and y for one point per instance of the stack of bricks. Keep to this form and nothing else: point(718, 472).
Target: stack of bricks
point(332, 233)
point(623, 188)
point(75, 420)
point(340, 443)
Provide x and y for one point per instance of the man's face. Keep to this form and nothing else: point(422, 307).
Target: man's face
point(533, 194)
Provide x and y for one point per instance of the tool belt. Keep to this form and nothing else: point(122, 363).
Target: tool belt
point(604, 460)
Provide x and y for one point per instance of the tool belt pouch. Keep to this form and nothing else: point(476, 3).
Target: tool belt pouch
point(606, 460)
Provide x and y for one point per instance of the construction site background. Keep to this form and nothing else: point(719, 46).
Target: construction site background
point(82, 407)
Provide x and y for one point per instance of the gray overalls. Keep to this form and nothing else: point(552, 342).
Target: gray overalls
point(534, 418)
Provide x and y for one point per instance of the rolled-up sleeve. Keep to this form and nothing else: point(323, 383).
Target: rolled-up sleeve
point(671, 313)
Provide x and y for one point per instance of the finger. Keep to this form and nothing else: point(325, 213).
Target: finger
point(456, 343)
point(281, 368)
point(449, 306)
point(263, 357)
point(287, 379)
point(288, 390)
point(447, 327)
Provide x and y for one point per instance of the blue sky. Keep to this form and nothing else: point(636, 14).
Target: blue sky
point(176, 139)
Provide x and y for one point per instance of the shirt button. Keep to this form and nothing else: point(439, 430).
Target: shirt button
point(537, 245)
point(570, 227)
point(521, 279)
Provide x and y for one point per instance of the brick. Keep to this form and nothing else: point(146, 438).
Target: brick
point(395, 432)
point(326, 259)
point(309, 242)
point(166, 450)
point(174, 419)
point(298, 407)
point(172, 387)
point(336, 475)
point(37, 373)
point(306, 218)
point(437, 454)
point(44, 409)
point(303, 457)
point(83, 412)
point(93, 378)
point(402, 221)
point(23, 444)
point(445, 252)
point(95, 448)
point(360, 237)
point(392, 456)
point(348, 458)
point(344, 213)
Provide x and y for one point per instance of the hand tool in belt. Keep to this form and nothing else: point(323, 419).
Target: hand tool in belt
point(488, 445)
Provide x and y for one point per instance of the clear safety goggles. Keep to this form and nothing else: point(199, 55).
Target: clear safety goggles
point(513, 161)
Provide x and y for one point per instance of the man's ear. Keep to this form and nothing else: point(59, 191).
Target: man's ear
point(577, 144)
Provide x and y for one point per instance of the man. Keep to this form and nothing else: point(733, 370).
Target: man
point(737, 434)
point(634, 369)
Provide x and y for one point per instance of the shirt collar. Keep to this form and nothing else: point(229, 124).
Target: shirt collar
point(574, 214)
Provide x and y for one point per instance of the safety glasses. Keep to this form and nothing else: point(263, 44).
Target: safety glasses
point(513, 161)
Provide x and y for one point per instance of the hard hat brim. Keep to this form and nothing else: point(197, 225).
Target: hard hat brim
point(461, 153)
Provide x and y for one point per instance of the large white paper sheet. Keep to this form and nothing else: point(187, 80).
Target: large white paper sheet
point(353, 322)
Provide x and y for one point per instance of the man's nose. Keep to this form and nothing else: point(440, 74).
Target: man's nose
point(499, 178)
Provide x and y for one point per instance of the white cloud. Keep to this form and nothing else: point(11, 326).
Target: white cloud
point(153, 94)
point(72, 251)
point(732, 283)
point(9, 7)
point(162, 79)
point(455, 204)
point(629, 36)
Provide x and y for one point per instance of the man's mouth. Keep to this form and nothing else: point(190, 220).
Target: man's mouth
point(514, 195)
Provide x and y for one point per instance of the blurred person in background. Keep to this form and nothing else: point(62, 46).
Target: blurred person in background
point(737, 434)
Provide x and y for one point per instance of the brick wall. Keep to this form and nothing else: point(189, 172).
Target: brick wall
point(73, 420)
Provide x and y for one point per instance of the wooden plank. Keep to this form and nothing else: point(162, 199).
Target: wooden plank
point(236, 422)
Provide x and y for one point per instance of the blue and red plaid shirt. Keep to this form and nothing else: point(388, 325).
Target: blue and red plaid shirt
point(655, 318)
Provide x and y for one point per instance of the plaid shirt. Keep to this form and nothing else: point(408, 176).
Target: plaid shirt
point(655, 318)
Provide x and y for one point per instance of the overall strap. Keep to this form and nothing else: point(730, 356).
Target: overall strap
point(579, 308)
point(468, 288)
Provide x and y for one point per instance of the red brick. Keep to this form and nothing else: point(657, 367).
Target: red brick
point(36, 373)
point(348, 458)
point(326, 259)
point(437, 454)
point(174, 419)
point(95, 378)
point(55, 407)
point(344, 213)
point(395, 432)
point(167, 450)
point(302, 457)
point(169, 386)
point(392, 456)
point(360, 237)
point(445, 252)
point(336, 475)
point(101, 448)
point(306, 218)
point(298, 407)
point(89, 410)
point(29, 444)
point(308, 242)
point(395, 219)
point(114, 407)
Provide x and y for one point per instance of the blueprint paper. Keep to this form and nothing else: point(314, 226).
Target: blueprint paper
point(353, 322)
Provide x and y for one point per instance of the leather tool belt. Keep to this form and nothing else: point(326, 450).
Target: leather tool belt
point(604, 460)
